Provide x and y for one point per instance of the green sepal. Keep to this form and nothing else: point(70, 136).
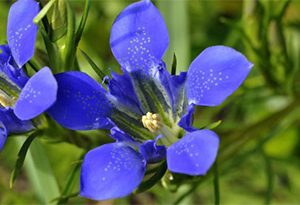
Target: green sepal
point(174, 65)
point(149, 183)
point(213, 125)
point(172, 181)
point(58, 20)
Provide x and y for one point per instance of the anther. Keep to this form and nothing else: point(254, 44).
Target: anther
point(152, 122)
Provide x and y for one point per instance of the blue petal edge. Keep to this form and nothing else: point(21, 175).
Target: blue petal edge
point(21, 31)
point(38, 94)
point(111, 171)
point(81, 103)
point(215, 74)
point(139, 35)
point(194, 154)
point(152, 152)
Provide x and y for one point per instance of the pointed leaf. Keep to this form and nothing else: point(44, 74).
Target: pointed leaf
point(21, 157)
point(98, 70)
point(82, 21)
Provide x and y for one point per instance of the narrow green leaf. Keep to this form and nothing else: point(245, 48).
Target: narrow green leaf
point(98, 70)
point(174, 65)
point(43, 12)
point(144, 186)
point(39, 173)
point(82, 22)
point(21, 157)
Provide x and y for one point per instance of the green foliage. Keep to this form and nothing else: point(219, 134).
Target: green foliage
point(259, 158)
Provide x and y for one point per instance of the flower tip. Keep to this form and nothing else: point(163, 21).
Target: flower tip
point(250, 65)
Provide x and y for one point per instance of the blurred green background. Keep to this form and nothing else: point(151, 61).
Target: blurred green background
point(259, 160)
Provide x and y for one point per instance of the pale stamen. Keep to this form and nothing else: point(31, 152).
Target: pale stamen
point(152, 122)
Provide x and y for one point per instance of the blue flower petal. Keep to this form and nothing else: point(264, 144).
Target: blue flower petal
point(120, 136)
point(12, 123)
point(21, 31)
point(81, 103)
point(177, 82)
point(15, 74)
point(10, 69)
point(179, 98)
point(162, 79)
point(120, 86)
point(153, 153)
point(215, 74)
point(138, 35)
point(3, 135)
point(194, 154)
point(153, 82)
point(37, 96)
point(111, 171)
point(186, 120)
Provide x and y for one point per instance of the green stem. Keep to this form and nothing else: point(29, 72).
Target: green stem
point(72, 179)
point(216, 184)
point(270, 177)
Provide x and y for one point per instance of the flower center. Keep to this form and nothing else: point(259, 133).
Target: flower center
point(155, 124)
point(152, 122)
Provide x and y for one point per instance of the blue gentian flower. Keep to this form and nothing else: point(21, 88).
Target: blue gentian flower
point(21, 98)
point(148, 111)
